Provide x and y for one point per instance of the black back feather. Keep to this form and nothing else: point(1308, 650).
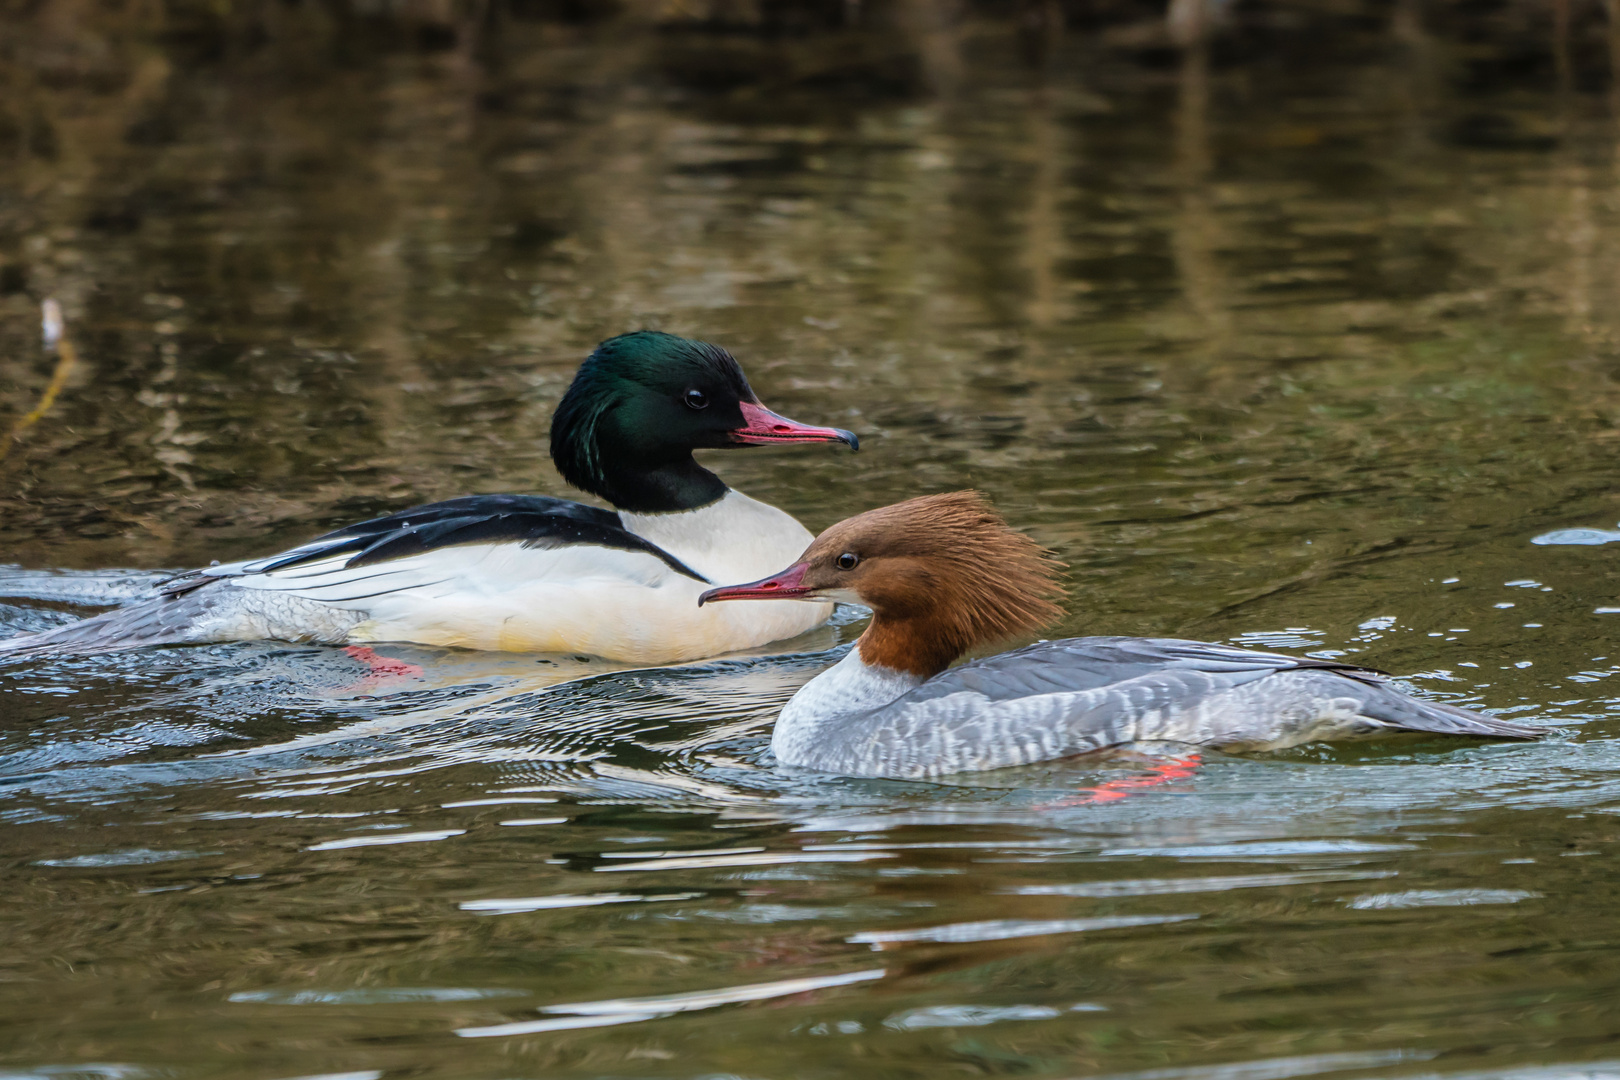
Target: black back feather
point(533, 521)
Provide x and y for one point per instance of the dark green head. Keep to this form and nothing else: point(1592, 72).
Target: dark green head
point(638, 407)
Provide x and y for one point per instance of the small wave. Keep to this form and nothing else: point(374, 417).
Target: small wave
point(1421, 898)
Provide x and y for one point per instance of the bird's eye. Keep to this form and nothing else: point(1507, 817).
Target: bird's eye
point(847, 560)
point(697, 399)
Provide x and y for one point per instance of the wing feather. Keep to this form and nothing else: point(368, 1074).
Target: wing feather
point(1075, 664)
point(528, 521)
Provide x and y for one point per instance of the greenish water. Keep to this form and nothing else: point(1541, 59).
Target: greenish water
point(1297, 339)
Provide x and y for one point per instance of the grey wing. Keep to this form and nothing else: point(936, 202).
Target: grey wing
point(1062, 698)
point(1090, 663)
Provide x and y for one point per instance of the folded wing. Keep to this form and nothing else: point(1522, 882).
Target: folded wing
point(529, 521)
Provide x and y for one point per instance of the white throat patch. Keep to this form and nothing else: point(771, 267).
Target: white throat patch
point(849, 687)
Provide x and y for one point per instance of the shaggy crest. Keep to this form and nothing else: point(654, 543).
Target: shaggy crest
point(943, 574)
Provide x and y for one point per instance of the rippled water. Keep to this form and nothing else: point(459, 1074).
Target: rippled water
point(1299, 339)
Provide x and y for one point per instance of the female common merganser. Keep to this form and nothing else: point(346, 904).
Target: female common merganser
point(529, 572)
point(944, 574)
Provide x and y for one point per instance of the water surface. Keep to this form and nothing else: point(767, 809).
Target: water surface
point(1297, 338)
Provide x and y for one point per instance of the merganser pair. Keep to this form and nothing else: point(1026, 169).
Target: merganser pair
point(944, 574)
point(527, 572)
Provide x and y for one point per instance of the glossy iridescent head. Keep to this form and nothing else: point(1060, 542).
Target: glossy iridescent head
point(642, 402)
point(943, 574)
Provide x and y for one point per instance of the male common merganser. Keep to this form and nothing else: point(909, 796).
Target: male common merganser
point(944, 574)
point(528, 572)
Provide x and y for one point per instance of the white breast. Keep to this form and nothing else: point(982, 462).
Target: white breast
point(730, 541)
point(849, 688)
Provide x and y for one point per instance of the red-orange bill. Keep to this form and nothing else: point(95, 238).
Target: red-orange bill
point(765, 426)
point(784, 586)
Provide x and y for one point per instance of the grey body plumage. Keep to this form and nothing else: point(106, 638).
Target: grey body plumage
point(943, 574)
point(208, 612)
point(1058, 699)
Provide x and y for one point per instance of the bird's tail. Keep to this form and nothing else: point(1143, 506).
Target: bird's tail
point(167, 620)
point(1388, 706)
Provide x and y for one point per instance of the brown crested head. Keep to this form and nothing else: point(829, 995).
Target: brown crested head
point(942, 574)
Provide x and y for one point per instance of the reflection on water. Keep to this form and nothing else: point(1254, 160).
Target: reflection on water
point(1288, 326)
point(632, 1010)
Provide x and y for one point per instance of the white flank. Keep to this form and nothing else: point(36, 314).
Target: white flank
point(580, 598)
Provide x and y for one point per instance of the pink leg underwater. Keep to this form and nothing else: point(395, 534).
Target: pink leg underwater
point(381, 667)
point(1165, 772)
